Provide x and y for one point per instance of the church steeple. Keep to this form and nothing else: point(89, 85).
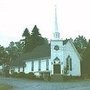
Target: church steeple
point(56, 32)
point(56, 24)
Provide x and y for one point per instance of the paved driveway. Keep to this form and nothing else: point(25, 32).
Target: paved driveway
point(20, 84)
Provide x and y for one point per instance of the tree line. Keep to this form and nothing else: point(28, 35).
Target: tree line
point(31, 40)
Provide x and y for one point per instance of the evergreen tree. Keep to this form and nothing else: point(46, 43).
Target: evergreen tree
point(86, 60)
point(12, 51)
point(35, 31)
point(26, 40)
point(26, 33)
point(80, 43)
point(3, 55)
point(33, 40)
point(36, 38)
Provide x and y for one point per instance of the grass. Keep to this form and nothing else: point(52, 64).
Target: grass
point(5, 87)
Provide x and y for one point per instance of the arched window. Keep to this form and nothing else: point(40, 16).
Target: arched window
point(69, 63)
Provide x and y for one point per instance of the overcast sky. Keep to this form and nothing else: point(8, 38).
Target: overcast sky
point(16, 15)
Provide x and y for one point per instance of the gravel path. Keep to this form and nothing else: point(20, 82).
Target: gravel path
point(20, 84)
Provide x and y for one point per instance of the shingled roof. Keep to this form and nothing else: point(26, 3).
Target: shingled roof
point(39, 52)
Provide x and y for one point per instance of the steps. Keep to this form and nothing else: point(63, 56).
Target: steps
point(56, 77)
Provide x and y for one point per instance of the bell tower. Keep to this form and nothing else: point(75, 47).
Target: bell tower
point(56, 49)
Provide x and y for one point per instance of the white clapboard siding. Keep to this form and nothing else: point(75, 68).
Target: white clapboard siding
point(28, 67)
point(36, 65)
point(43, 65)
point(16, 69)
point(21, 69)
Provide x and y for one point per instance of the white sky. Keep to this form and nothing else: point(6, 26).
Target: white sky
point(16, 15)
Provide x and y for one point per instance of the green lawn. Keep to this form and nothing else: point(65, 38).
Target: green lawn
point(5, 87)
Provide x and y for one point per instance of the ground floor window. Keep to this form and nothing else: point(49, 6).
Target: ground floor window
point(47, 64)
point(39, 65)
point(32, 66)
point(69, 63)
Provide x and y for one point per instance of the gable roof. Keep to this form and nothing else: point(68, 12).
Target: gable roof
point(18, 63)
point(41, 51)
point(75, 49)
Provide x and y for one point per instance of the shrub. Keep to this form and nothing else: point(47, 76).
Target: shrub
point(30, 75)
point(14, 74)
point(18, 75)
point(71, 78)
point(21, 75)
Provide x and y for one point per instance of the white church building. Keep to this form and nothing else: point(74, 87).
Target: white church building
point(59, 57)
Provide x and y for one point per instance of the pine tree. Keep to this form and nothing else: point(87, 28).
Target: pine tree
point(26, 33)
point(26, 40)
point(36, 38)
point(86, 60)
point(80, 43)
point(33, 40)
point(35, 31)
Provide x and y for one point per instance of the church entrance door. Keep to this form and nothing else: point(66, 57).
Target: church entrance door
point(57, 69)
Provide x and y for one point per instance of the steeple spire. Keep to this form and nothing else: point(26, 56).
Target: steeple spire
point(56, 32)
point(56, 24)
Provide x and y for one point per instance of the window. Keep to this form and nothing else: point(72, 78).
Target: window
point(56, 47)
point(47, 64)
point(32, 66)
point(39, 67)
point(69, 63)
